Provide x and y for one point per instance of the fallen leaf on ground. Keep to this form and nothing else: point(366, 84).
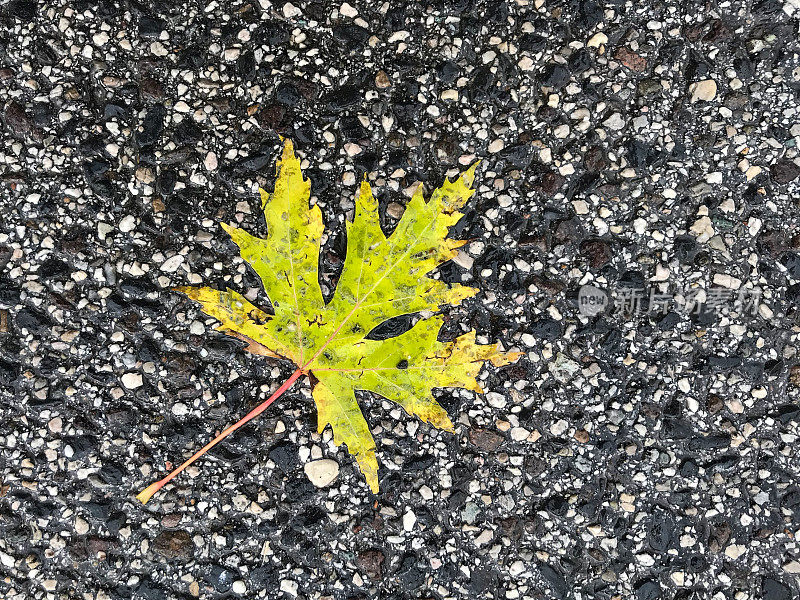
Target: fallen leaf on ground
point(383, 277)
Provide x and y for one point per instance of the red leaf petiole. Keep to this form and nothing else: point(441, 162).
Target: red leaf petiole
point(147, 493)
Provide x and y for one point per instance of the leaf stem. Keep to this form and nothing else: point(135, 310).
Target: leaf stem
point(146, 494)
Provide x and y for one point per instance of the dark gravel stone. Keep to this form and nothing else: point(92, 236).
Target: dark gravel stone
point(23, 10)
point(246, 65)
point(685, 248)
point(447, 72)
point(556, 76)
point(187, 133)
point(709, 442)
point(174, 544)
point(410, 573)
point(19, 123)
point(719, 535)
point(558, 585)
point(82, 445)
point(112, 473)
point(344, 97)
point(784, 171)
point(149, 590)
point(724, 363)
point(371, 563)
point(482, 580)
point(46, 55)
point(53, 267)
point(689, 469)
point(152, 126)
point(263, 577)
point(589, 14)
point(8, 372)
point(285, 456)
point(596, 252)
point(220, 578)
point(271, 116)
point(420, 463)
point(642, 155)
point(151, 27)
point(352, 37)
point(32, 320)
point(550, 183)
point(352, 129)
point(256, 162)
point(484, 439)
point(519, 156)
point(288, 94)
point(791, 260)
point(648, 590)
point(391, 328)
point(274, 33)
point(661, 535)
point(114, 110)
point(774, 589)
point(166, 181)
point(546, 328)
point(152, 89)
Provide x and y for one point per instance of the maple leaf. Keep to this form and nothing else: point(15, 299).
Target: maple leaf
point(382, 277)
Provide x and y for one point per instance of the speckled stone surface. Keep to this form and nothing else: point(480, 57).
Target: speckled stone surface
point(641, 157)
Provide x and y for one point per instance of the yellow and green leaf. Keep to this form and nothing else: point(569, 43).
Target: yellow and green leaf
point(383, 277)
